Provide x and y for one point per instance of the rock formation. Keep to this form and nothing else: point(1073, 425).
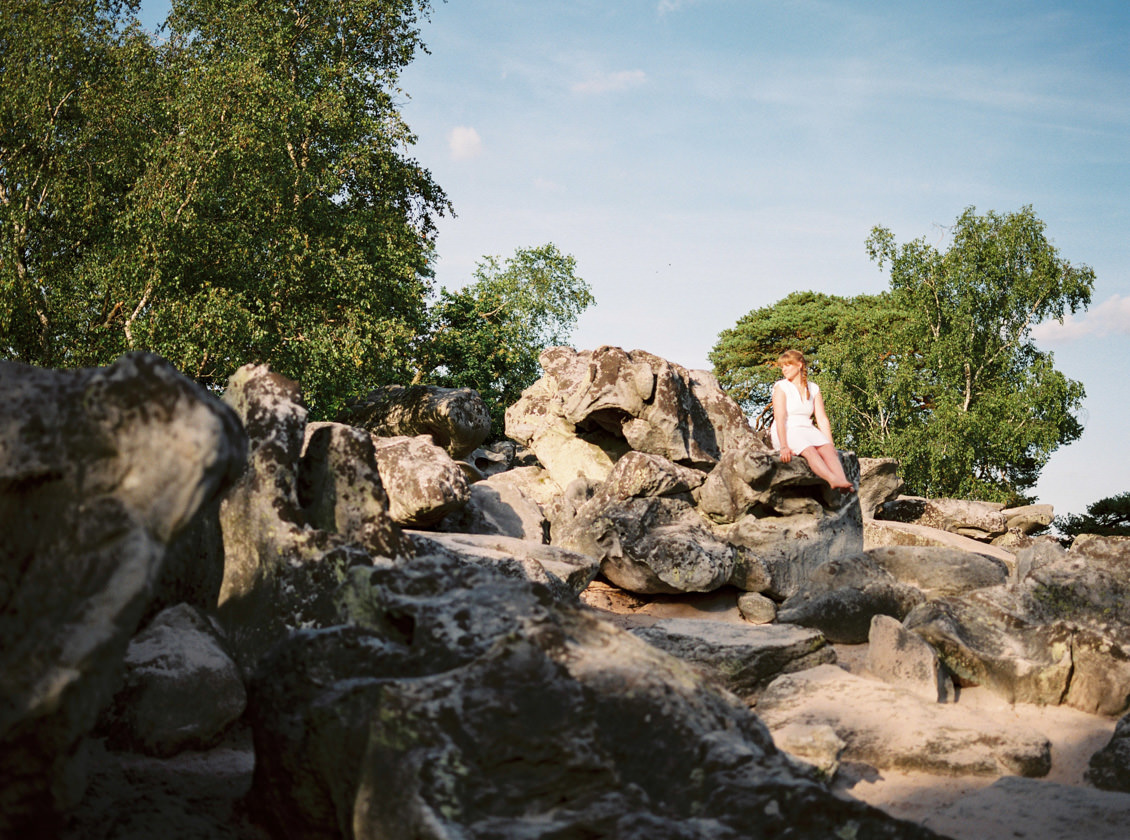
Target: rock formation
point(100, 469)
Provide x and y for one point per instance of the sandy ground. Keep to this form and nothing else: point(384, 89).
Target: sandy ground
point(1061, 806)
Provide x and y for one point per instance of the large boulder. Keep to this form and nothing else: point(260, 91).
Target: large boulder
point(1109, 768)
point(743, 657)
point(279, 572)
point(462, 703)
point(976, 520)
point(901, 657)
point(879, 483)
point(456, 419)
point(929, 737)
point(340, 489)
point(614, 401)
point(181, 690)
point(100, 470)
point(879, 533)
point(841, 597)
point(940, 570)
point(423, 483)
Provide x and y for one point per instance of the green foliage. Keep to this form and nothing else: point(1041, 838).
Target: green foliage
point(940, 371)
point(237, 192)
point(1109, 517)
point(488, 335)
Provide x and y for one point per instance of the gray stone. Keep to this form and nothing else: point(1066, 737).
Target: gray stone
point(842, 596)
point(100, 470)
point(461, 703)
point(279, 573)
point(456, 419)
point(878, 483)
point(1028, 519)
point(180, 691)
point(756, 608)
point(878, 533)
point(1109, 768)
point(340, 490)
point(977, 520)
point(903, 658)
point(1035, 810)
point(422, 481)
point(815, 745)
point(545, 564)
point(940, 570)
point(499, 507)
point(743, 658)
point(931, 738)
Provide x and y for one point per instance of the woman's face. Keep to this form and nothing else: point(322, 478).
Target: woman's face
point(790, 369)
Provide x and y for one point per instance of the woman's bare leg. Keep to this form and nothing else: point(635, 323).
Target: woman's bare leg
point(825, 462)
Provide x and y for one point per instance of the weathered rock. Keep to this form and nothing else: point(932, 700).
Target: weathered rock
point(279, 574)
point(422, 481)
point(818, 746)
point(878, 483)
point(638, 474)
point(932, 738)
point(1109, 768)
point(1037, 809)
point(976, 520)
point(751, 481)
point(743, 658)
point(545, 564)
point(621, 400)
point(756, 608)
point(456, 419)
point(878, 533)
point(650, 545)
point(990, 638)
point(340, 490)
point(777, 554)
point(940, 570)
point(100, 469)
point(465, 704)
point(903, 658)
point(1028, 519)
point(181, 690)
point(499, 506)
point(842, 596)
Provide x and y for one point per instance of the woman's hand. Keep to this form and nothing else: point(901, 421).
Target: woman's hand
point(786, 454)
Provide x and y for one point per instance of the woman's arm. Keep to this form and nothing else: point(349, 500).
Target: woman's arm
point(781, 421)
point(822, 422)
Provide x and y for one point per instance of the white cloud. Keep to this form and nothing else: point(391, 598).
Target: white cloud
point(1110, 316)
point(611, 82)
point(464, 142)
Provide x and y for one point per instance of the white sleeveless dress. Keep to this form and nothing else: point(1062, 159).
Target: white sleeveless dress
point(802, 432)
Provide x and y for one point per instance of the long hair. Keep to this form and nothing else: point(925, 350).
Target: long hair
point(798, 357)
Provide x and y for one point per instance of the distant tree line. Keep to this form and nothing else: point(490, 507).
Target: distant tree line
point(238, 190)
point(940, 370)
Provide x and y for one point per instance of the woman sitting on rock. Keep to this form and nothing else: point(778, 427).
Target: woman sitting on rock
point(795, 401)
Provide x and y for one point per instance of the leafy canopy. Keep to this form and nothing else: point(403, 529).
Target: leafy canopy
point(1109, 517)
point(237, 192)
point(939, 371)
point(488, 335)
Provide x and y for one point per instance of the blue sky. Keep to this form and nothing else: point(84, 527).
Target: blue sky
point(703, 158)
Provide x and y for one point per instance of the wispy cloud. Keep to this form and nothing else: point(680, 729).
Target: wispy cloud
point(611, 82)
point(1112, 316)
point(464, 142)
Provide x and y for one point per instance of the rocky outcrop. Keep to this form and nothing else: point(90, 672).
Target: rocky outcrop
point(613, 401)
point(932, 738)
point(878, 533)
point(879, 483)
point(1062, 635)
point(100, 470)
point(279, 573)
point(462, 702)
point(976, 520)
point(1109, 768)
point(743, 658)
point(939, 571)
point(842, 596)
point(422, 481)
point(902, 658)
point(456, 419)
point(180, 691)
